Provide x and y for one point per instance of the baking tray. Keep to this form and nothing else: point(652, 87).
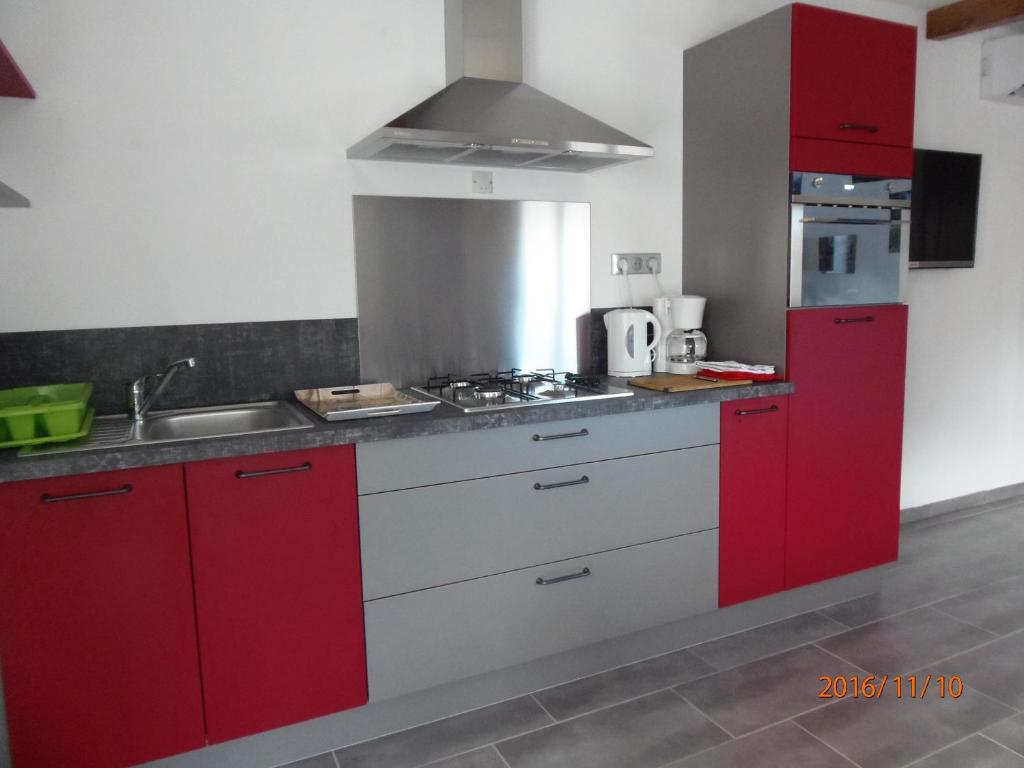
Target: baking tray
point(360, 401)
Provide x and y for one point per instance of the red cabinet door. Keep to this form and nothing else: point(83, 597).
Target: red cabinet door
point(752, 499)
point(97, 627)
point(845, 439)
point(275, 547)
point(853, 78)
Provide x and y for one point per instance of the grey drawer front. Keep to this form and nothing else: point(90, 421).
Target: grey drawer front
point(422, 639)
point(392, 464)
point(425, 537)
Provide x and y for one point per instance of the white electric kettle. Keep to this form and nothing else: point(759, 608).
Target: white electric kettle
point(629, 354)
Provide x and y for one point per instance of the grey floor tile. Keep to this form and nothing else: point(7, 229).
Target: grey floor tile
point(891, 731)
point(996, 669)
point(767, 691)
point(781, 746)
point(444, 738)
point(616, 685)
point(731, 651)
point(1009, 733)
point(905, 642)
point(975, 752)
point(320, 761)
point(648, 732)
point(997, 607)
point(869, 608)
point(487, 757)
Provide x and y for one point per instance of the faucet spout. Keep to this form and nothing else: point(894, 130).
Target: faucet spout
point(139, 403)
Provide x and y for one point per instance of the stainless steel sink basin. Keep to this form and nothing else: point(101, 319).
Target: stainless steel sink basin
point(218, 422)
point(181, 425)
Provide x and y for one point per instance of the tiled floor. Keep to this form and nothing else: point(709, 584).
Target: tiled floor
point(953, 605)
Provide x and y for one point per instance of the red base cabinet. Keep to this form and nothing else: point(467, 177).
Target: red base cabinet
point(845, 439)
point(752, 501)
point(97, 628)
point(275, 547)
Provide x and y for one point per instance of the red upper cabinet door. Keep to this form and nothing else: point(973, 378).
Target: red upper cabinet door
point(845, 439)
point(275, 547)
point(97, 625)
point(853, 78)
point(752, 506)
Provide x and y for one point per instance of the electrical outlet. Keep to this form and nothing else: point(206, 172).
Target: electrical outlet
point(483, 182)
point(636, 263)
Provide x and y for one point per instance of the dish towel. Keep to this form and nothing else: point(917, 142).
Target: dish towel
point(730, 369)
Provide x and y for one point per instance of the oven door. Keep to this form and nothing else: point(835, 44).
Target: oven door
point(842, 254)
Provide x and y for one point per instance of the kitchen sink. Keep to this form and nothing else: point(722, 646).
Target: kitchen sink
point(183, 425)
point(216, 422)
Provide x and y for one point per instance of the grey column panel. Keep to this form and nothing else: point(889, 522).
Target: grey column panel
point(425, 537)
point(736, 96)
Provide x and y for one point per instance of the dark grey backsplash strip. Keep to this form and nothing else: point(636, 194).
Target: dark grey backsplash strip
point(238, 362)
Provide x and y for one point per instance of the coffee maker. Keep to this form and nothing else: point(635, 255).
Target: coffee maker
point(682, 345)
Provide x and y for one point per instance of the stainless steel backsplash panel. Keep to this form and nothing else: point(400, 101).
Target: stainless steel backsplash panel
point(455, 285)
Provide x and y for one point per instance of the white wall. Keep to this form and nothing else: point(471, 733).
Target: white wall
point(186, 163)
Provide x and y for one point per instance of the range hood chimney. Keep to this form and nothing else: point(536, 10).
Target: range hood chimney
point(487, 116)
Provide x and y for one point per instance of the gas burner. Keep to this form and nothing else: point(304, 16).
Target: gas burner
point(514, 388)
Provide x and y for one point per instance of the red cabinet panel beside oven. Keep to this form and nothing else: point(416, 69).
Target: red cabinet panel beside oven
point(752, 503)
point(845, 439)
point(275, 547)
point(853, 77)
point(852, 93)
point(97, 627)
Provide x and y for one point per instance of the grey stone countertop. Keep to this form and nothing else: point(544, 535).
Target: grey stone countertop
point(444, 419)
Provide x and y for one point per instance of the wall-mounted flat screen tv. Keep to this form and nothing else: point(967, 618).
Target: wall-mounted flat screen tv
point(944, 209)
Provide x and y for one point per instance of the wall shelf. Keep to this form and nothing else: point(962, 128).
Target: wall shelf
point(11, 199)
point(12, 83)
point(12, 80)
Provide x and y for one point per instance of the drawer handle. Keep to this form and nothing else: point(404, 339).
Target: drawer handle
point(859, 127)
point(758, 411)
point(241, 475)
point(542, 438)
point(568, 577)
point(564, 484)
point(865, 319)
point(48, 499)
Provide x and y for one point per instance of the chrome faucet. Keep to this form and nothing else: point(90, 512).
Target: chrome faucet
point(139, 403)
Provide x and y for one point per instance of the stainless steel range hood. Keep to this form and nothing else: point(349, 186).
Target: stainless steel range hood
point(487, 116)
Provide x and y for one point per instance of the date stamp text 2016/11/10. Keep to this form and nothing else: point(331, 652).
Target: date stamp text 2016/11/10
point(903, 686)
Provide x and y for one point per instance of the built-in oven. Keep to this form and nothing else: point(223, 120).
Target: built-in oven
point(849, 239)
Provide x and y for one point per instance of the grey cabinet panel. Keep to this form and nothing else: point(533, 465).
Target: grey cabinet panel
point(426, 638)
point(425, 537)
point(408, 463)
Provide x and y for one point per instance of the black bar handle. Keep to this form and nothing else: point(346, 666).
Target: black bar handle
point(565, 484)
point(568, 577)
point(865, 319)
point(859, 127)
point(48, 499)
point(581, 433)
point(757, 411)
point(242, 475)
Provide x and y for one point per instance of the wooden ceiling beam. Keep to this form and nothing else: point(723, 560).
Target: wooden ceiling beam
point(971, 15)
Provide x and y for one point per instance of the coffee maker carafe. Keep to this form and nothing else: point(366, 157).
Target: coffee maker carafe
point(682, 345)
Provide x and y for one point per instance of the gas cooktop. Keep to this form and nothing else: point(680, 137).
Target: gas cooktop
point(515, 388)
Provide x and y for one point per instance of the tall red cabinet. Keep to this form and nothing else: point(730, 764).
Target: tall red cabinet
point(845, 438)
point(811, 90)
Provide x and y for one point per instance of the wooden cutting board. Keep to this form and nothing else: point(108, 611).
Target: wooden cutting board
point(677, 382)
